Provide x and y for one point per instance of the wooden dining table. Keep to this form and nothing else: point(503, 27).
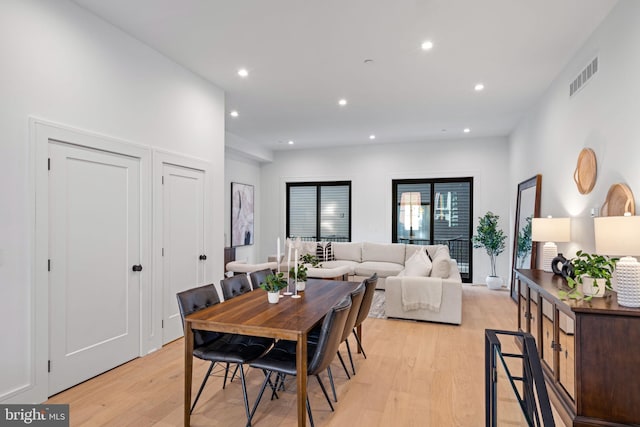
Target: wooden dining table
point(251, 314)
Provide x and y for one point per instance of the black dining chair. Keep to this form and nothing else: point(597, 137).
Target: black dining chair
point(259, 276)
point(281, 359)
point(370, 288)
point(357, 297)
point(216, 347)
point(234, 286)
point(356, 300)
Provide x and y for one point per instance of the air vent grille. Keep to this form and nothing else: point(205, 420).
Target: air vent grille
point(587, 73)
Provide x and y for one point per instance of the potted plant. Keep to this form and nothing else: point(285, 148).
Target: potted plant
point(593, 272)
point(492, 239)
point(300, 276)
point(272, 284)
point(311, 259)
point(524, 242)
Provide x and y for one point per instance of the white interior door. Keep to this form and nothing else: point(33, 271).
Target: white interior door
point(94, 238)
point(183, 240)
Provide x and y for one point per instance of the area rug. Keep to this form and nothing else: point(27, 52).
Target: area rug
point(377, 305)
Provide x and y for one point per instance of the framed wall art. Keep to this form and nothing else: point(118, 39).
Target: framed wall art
point(241, 214)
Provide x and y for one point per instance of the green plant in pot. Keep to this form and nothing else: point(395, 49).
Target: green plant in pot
point(593, 272)
point(300, 276)
point(524, 242)
point(272, 284)
point(310, 259)
point(492, 239)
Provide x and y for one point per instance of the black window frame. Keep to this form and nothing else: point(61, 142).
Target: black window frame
point(466, 277)
point(318, 185)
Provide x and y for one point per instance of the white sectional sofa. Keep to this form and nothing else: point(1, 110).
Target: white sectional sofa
point(388, 260)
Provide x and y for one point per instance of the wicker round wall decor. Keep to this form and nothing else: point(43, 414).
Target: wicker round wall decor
point(619, 200)
point(586, 171)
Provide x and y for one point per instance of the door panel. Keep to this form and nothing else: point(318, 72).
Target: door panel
point(183, 233)
point(94, 214)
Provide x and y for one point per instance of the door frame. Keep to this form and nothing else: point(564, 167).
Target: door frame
point(40, 132)
point(161, 157)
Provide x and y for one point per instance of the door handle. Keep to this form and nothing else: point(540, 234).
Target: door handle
point(203, 257)
point(137, 267)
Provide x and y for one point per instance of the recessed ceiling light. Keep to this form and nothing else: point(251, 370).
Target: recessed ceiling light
point(478, 87)
point(290, 142)
point(233, 113)
point(242, 72)
point(372, 136)
point(427, 45)
point(342, 102)
point(466, 130)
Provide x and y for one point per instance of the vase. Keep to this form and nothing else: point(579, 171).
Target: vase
point(300, 286)
point(589, 290)
point(273, 297)
point(494, 282)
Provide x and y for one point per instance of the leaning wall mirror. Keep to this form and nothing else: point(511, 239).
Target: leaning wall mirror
point(527, 207)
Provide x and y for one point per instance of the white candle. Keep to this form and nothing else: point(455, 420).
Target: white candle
point(289, 257)
point(278, 257)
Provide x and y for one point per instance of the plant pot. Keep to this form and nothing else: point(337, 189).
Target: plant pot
point(494, 282)
point(274, 297)
point(589, 290)
point(300, 286)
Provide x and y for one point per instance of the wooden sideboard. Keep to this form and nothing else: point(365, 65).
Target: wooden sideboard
point(590, 351)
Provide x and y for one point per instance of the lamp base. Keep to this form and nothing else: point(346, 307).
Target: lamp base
point(549, 252)
point(628, 275)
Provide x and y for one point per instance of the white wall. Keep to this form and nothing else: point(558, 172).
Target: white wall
point(602, 116)
point(240, 168)
point(64, 65)
point(371, 170)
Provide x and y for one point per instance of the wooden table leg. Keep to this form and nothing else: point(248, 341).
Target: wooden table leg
point(301, 368)
point(188, 372)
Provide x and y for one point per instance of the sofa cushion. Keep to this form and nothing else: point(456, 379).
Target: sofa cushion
point(350, 251)
point(384, 269)
point(418, 265)
point(441, 262)
point(385, 252)
point(411, 249)
point(340, 263)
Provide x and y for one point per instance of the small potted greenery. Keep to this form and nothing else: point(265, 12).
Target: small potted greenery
point(492, 239)
point(311, 259)
point(272, 284)
point(300, 276)
point(593, 272)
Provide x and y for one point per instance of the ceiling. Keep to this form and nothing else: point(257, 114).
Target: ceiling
point(303, 56)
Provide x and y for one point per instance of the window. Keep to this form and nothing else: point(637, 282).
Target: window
point(435, 211)
point(319, 211)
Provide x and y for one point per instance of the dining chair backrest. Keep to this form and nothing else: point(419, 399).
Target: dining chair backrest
point(259, 276)
point(330, 334)
point(196, 299)
point(235, 285)
point(370, 288)
point(356, 301)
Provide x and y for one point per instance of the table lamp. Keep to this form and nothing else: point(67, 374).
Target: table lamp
point(550, 230)
point(620, 236)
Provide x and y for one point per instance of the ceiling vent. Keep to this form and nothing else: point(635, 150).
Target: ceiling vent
point(587, 74)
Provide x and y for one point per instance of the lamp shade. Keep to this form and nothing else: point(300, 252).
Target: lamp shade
point(617, 235)
point(551, 229)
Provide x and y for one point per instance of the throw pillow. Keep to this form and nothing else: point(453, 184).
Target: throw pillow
point(417, 265)
point(324, 252)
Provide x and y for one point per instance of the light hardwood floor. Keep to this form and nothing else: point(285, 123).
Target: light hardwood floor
point(416, 374)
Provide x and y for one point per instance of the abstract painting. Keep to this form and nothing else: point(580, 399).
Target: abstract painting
point(241, 214)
